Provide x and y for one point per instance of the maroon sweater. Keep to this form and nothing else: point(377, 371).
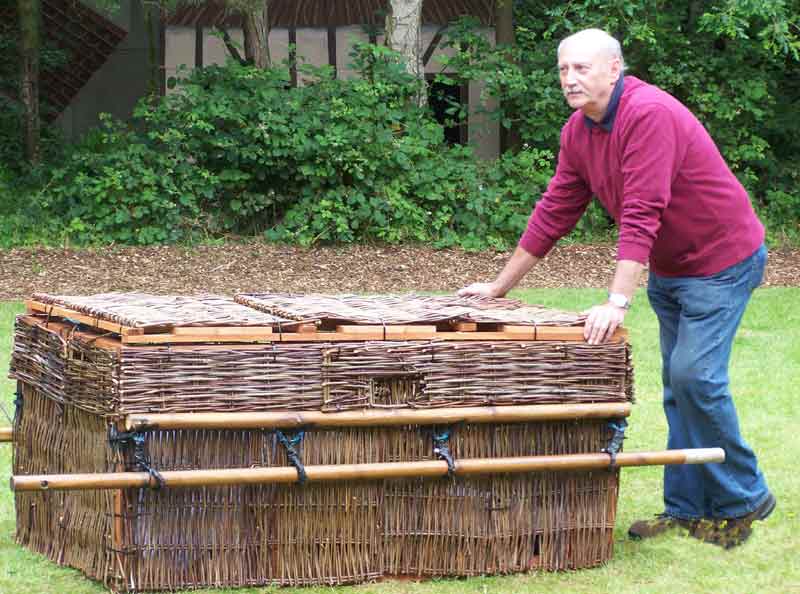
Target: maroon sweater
point(662, 179)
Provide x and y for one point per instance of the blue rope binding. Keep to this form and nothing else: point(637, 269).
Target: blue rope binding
point(617, 427)
point(291, 453)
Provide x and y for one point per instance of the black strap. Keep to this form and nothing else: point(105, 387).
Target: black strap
point(617, 426)
point(289, 444)
point(442, 449)
point(140, 458)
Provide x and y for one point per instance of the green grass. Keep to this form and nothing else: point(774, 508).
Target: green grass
point(764, 373)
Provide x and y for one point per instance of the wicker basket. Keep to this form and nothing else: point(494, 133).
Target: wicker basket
point(77, 384)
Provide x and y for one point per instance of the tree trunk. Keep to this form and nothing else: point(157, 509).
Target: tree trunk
point(152, 54)
point(403, 34)
point(504, 35)
point(256, 36)
point(29, 20)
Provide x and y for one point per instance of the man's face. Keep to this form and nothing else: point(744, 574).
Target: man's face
point(587, 77)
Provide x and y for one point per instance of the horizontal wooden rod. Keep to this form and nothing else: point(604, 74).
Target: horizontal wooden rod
point(379, 417)
point(6, 434)
point(355, 472)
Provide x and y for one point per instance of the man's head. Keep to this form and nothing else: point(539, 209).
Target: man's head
point(589, 63)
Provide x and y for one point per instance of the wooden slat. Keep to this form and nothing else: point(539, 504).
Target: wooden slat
point(242, 336)
point(573, 333)
point(220, 331)
point(526, 333)
point(516, 329)
point(399, 332)
point(55, 310)
point(464, 326)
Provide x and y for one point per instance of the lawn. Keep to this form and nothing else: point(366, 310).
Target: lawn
point(764, 374)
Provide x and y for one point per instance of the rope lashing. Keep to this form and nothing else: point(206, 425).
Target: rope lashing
point(617, 427)
point(140, 458)
point(289, 444)
point(442, 449)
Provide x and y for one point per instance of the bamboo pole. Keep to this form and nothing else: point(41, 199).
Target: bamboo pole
point(6, 434)
point(352, 472)
point(379, 417)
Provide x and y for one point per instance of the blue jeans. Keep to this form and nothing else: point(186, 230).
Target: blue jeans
point(698, 318)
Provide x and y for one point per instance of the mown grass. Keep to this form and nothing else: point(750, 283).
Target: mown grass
point(764, 373)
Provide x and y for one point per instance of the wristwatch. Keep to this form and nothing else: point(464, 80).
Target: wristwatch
point(619, 300)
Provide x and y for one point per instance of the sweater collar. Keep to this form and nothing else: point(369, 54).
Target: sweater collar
point(607, 123)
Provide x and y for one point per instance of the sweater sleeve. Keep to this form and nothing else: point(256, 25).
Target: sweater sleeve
point(652, 153)
point(559, 209)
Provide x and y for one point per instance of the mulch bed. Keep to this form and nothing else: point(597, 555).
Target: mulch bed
point(254, 267)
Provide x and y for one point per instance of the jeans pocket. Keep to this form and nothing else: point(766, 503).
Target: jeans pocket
point(758, 267)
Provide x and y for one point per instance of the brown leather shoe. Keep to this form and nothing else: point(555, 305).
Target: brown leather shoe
point(731, 532)
point(660, 524)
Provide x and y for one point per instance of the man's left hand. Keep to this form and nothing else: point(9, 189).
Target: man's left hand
point(602, 321)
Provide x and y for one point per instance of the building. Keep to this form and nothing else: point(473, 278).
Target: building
point(153, 46)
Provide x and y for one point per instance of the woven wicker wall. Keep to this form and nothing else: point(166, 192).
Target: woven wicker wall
point(317, 376)
point(71, 528)
point(74, 390)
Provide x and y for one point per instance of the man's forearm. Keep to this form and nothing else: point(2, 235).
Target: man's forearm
point(517, 266)
point(626, 278)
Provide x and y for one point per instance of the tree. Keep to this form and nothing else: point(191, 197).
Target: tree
point(403, 34)
point(504, 36)
point(255, 30)
point(256, 33)
point(30, 45)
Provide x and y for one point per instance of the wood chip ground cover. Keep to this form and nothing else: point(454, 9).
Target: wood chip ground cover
point(250, 267)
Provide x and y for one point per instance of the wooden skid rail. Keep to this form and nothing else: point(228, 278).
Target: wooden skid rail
point(378, 417)
point(355, 472)
point(304, 332)
point(6, 434)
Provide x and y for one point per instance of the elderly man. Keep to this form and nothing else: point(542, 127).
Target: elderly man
point(678, 206)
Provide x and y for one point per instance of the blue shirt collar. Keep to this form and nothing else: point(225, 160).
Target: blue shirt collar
point(611, 111)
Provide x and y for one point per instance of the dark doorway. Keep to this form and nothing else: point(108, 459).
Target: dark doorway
point(442, 98)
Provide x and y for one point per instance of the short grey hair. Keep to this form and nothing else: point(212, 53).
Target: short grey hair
point(600, 39)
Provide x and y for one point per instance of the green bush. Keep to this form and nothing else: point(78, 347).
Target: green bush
point(121, 186)
point(236, 151)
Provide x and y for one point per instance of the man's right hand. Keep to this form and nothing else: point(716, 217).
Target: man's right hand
point(481, 290)
point(516, 267)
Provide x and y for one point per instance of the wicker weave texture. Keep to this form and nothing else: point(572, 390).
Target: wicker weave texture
point(318, 376)
point(76, 384)
point(317, 534)
point(71, 528)
point(140, 310)
point(406, 309)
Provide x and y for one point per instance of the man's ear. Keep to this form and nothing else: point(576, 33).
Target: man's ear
point(616, 70)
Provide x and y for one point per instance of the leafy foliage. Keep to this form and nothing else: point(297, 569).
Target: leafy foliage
point(237, 150)
point(732, 62)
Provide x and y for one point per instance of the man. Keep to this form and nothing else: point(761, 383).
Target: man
point(658, 173)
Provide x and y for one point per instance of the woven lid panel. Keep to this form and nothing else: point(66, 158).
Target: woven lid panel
point(139, 310)
point(406, 309)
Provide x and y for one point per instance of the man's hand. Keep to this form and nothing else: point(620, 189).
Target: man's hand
point(481, 290)
point(602, 321)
